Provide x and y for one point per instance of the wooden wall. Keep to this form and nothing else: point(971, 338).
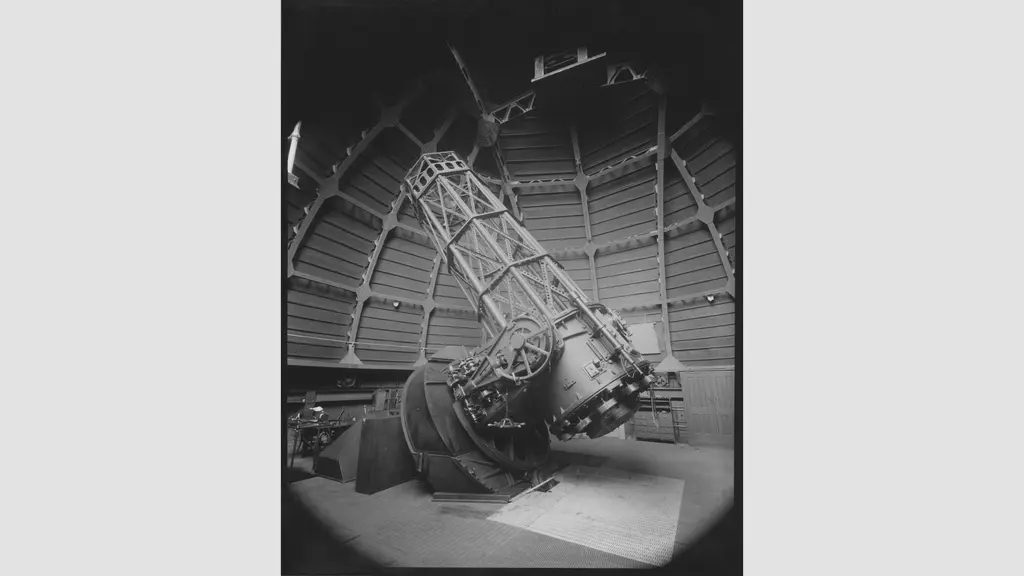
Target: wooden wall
point(450, 328)
point(703, 333)
point(536, 147)
point(628, 276)
point(404, 265)
point(318, 319)
point(622, 201)
point(624, 124)
point(700, 410)
point(389, 335)
point(709, 398)
point(692, 263)
point(711, 159)
point(554, 215)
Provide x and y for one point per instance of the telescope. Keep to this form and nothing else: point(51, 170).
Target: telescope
point(554, 362)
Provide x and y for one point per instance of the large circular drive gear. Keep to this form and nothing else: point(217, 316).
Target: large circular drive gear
point(529, 348)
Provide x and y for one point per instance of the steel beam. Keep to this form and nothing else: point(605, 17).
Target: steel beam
point(614, 245)
point(582, 181)
point(332, 364)
point(435, 272)
point(378, 295)
point(325, 281)
point(624, 72)
point(428, 309)
point(329, 186)
point(363, 294)
point(655, 305)
point(498, 156)
point(724, 205)
point(692, 122)
point(698, 295)
point(355, 202)
point(469, 80)
point(391, 222)
point(514, 108)
point(381, 216)
point(506, 182)
point(439, 133)
point(707, 215)
point(410, 135)
point(625, 161)
point(660, 190)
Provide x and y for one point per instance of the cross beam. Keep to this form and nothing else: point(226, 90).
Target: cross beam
point(660, 190)
point(582, 181)
point(329, 187)
point(391, 222)
point(707, 215)
point(428, 309)
point(692, 122)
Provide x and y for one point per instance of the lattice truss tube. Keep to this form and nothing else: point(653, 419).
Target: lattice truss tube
point(500, 266)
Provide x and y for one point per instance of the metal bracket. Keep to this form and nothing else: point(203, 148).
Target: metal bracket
point(624, 72)
point(592, 370)
point(545, 66)
point(514, 108)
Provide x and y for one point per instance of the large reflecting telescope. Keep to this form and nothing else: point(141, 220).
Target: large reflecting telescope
point(555, 362)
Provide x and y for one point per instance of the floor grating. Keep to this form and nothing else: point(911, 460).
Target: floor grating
point(627, 514)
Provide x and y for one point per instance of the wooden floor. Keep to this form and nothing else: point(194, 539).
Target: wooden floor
point(401, 527)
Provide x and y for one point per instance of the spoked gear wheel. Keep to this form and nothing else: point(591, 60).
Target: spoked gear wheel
point(529, 349)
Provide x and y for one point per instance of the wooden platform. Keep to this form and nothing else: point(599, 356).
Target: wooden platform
point(401, 527)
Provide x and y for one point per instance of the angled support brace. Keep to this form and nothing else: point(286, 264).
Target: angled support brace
point(375, 294)
point(660, 189)
point(329, 187)
point(469, 79)
point(691, 123)
point(428, 309)
point(364, 292)
point(391, 222)
point(707, 215)
point(624, 72)
point(410, 135)
point(506, 182)
point(687, 298)
point(582, 181)
point(514, 108)
point(498, 156)
point(431, 146)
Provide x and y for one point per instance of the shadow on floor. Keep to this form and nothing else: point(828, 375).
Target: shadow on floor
point(309, 547)
point(296, 475)
point(718, 551)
